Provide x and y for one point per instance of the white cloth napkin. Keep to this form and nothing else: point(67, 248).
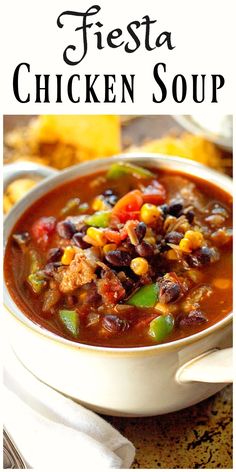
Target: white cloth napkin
point(54, 432)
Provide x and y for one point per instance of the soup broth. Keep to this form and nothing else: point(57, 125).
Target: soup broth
point(124, 258)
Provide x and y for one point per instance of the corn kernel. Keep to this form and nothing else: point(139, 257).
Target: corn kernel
point(184, 226)
point(195, 237)
point(149, 213)
point(171, 255)
point(164, 309)
point(109, 247)
point(195, 275)
point(100, 204)
point(192, 240)
point(68, 255)
point(139, 265)
point(96, 236)
point(223, 284)
point(185, 245)
point(150, 240)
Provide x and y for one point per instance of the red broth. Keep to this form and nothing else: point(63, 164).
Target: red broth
point(78, 260)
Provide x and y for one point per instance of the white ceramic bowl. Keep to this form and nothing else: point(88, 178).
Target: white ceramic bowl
point(120, 381)
point(194, 126)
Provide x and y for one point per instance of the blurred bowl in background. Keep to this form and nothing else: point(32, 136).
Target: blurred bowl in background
point(214, 127)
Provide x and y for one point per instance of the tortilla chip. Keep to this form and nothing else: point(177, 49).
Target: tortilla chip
point(15, 191)
point(96, 135)
point(188, 146)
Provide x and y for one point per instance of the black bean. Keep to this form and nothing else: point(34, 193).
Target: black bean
point(83, 229)
point(108, 192)
point(190, 216)
point(170, 291)
point(66, 229)
point(51, 268)
point(54, 254)
point(140, 230)
point(118, 258)
point(175, 207)
point(195, 317)
point(200, 257)
point(129, 247)
point(164, 208)
point(114, 324)
point(173, 237)
point(78, 240)
point(127, 282)
point(112, 200)
point(110, 197)
point(163, 247)
point(145, 249)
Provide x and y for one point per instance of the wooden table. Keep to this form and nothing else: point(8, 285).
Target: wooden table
point(197, 437)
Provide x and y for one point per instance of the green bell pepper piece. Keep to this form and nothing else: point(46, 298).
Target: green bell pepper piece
point(119, 169)
point(100, 219)
point(145, 297)
point(161, 327)
point(70, 319)
point(35, 261)
point(37, 282)
point(74, 207)
point(71, 206)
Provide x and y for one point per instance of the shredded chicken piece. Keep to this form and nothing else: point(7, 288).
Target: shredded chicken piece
point(130, 226)
point(169, 223)
point(180, 223)
point(196, 296)
point(102, 265)
point(80, 271)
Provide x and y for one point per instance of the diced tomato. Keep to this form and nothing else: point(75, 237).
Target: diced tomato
point(119, 236)
point(154, 193)
point(127, 208)
point(113, 236)
point(43, 228)
point(123, 233)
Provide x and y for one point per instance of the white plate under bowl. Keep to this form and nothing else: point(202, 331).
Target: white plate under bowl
point(187, 122)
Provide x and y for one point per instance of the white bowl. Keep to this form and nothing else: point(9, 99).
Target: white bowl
point(191, 124)
point(120, 381)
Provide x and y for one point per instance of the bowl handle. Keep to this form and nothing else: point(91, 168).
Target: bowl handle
point(25, 169)
point(214, 366)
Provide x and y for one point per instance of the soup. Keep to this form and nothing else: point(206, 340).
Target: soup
point(124, 258)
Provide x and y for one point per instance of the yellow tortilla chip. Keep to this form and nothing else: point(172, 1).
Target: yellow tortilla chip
point(15, 191)
point(98, 135)
point(186, 145)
